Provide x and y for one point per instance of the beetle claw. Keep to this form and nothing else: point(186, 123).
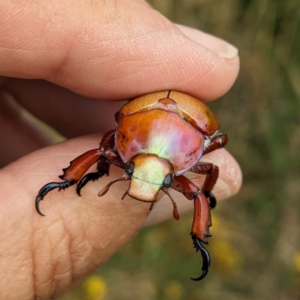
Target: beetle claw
point(89, 177)
point(46, 189)
point(212, 199)
point(205, 257)
point(37, 207)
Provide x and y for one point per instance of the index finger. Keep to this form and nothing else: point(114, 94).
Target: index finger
point(95, 51)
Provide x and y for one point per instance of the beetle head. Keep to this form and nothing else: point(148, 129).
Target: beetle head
point(149, 173)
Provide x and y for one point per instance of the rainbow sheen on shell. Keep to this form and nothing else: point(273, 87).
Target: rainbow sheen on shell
point(160, 132)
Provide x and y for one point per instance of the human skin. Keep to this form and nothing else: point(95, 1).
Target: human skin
point(59, 59)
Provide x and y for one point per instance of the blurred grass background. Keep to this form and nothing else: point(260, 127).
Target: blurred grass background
point(256, 242)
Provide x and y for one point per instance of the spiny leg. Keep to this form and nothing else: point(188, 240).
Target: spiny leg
point(201, 221)
point(200, 231)
point(71, 174)
point(205, 258)
point(107, 158)
point(47, 188)
point(102, 169)
point(79, 166)
point(217, 141)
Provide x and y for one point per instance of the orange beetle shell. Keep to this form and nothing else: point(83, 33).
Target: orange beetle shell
point(188, 107)
point(162, 133)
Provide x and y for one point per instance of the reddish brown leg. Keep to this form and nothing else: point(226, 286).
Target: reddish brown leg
point(217, 141)
point(108, 157)
point(201, 221)
point(104, 156)
point(71, 174)
point(212, 172)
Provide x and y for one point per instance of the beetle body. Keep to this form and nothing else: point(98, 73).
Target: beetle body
point(159, 137)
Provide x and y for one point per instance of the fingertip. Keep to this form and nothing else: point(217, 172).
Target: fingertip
point(213, 43)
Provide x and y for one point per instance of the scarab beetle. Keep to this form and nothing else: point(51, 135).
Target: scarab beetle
point(159, 137)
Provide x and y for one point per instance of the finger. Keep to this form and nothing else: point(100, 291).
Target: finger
point(69, 113)
point(19, 134)
point(99, 54)
point(77, 235)
point(215, 44)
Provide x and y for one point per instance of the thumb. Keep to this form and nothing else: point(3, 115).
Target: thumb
point(112, 50)
point(48, 255)
point(52, 253)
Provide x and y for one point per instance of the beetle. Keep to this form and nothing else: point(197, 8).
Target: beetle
point(159, 137)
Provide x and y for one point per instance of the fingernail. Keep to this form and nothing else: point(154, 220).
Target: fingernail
point(228, 52)
point(217, 45)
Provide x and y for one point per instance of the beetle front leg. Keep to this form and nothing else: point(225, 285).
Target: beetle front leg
point(201, 221)
point(102, 169)
point(71, 174)
point(107, 158)
point(80, 165)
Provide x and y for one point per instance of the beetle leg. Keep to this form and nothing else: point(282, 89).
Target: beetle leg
point(212, 172)
point(205, 258)
point(102, 169)
point(217, 141)
point(47, 188)
point(201, 221)
point(151, 206)
point(108, 157)
point(71, 175)
point(201, 215)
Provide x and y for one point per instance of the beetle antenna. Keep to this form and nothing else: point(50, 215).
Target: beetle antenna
point(175, 210)
point(125, 194)
point(106, 188)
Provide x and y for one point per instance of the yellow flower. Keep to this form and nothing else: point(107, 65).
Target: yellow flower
point(173, 290)
point(228, 257)
point(95, 288)
point(297, 261)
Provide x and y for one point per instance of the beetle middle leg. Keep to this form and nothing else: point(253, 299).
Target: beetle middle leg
point(212, 172)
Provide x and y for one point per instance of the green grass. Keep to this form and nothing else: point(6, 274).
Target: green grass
point(256, 243)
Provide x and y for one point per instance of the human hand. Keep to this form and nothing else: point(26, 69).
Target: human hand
point(56, 58)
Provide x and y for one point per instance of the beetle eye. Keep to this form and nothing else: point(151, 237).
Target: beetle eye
point(129, 168)
point(168, 180)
